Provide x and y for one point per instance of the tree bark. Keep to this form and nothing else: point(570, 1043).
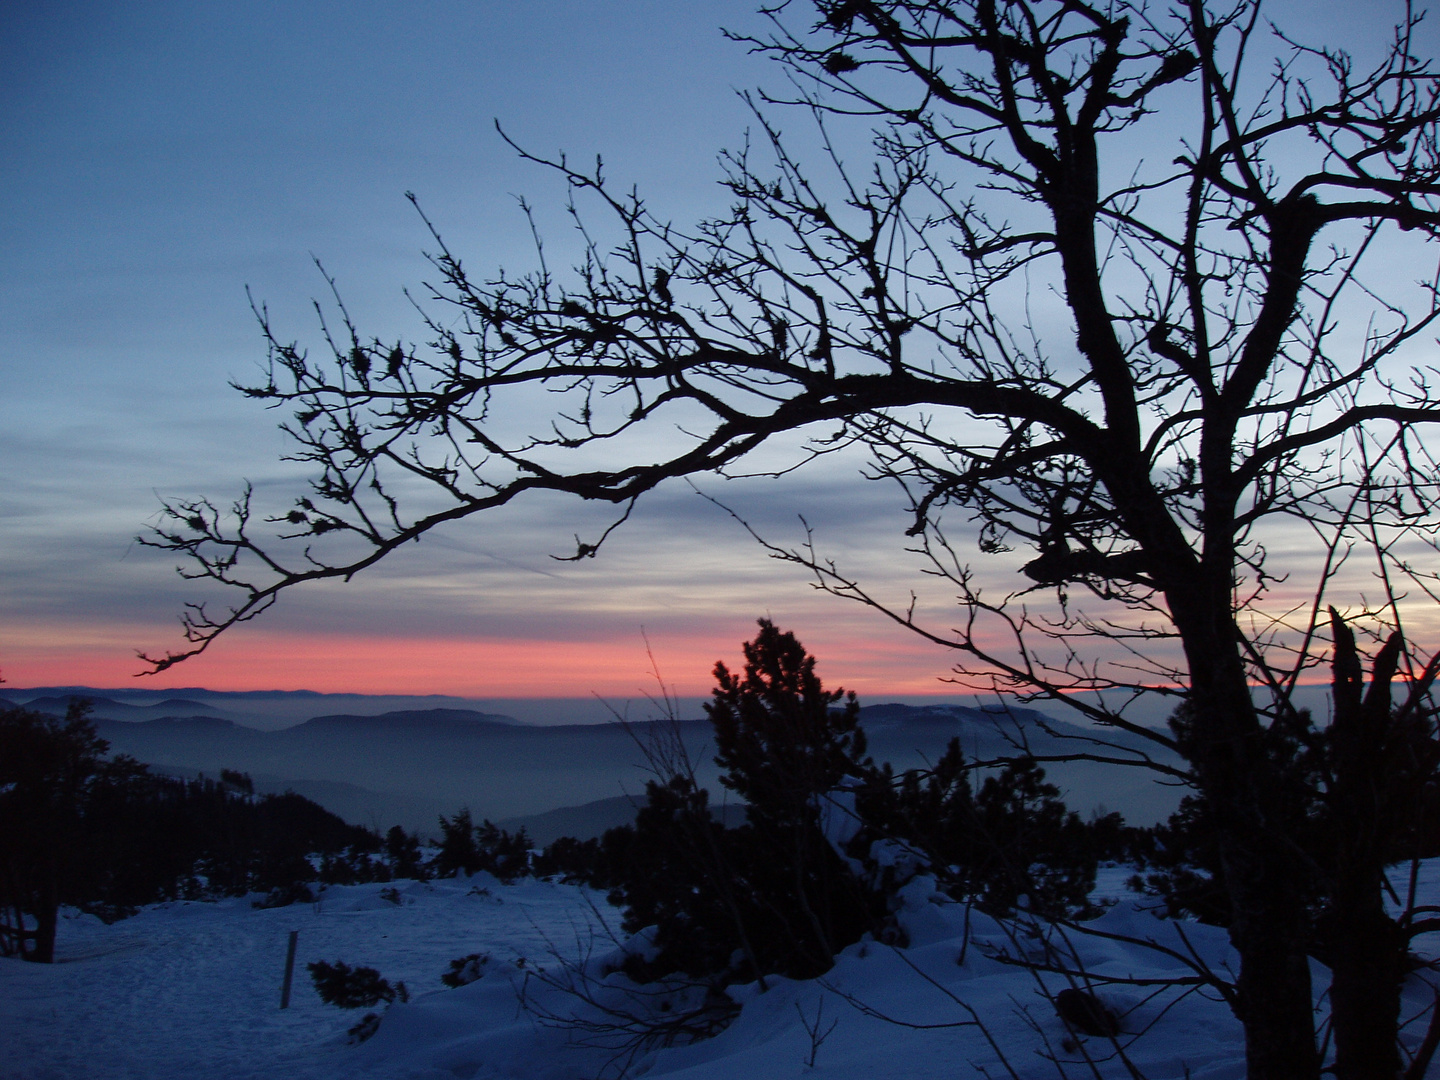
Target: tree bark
point(42, 950)
point(1264, 873)
point(1368, 965)
point(1270, 932)
point(1367, 947)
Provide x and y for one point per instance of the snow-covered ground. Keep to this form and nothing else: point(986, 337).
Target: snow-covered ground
point(191, 990)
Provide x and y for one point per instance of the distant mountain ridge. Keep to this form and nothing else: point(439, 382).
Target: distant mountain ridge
point(111, 709)
point(892, 710)
point(103, 708)
point(411, 719)
point(265, 710)
point(408, 765)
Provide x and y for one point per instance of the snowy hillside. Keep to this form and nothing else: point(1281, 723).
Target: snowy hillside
point(193, 989)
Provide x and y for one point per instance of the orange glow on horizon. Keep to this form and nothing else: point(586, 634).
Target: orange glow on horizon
point(875, 661)
point(473, 667)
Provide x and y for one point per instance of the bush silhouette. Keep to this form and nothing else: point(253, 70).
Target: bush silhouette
point(1011, 844)
point(778, 895)
point(353, 988)
point(107, 835)
point(772, 896)
point(468, 848)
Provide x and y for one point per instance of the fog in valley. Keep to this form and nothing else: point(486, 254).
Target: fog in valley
point(382, 761)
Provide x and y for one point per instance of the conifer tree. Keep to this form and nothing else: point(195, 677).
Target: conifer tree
point(778, 735)
point(785, 748)
point(458, 851)
point(49, 771)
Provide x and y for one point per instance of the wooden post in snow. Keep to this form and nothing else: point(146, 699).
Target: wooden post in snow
point(289, 970)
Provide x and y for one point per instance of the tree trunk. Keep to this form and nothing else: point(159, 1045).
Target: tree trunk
point(23, 898)
point(1266, 879)
point(42, 950)
point(1367, 949)
point(1270, 931)
point(12, 930)
point(1367, 966)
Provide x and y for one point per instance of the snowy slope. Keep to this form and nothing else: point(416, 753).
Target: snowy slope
point(190, 990)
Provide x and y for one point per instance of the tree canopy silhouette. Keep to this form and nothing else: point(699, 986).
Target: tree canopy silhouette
point(1136, 290)
point(53, 774)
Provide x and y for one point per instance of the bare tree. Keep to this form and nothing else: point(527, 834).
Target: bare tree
point(1128, 288)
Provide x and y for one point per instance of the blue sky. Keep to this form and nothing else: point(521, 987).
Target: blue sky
point(163, 158)
point(160, 159)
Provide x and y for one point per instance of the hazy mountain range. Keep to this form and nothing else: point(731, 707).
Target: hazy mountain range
point(407, 766)
point(274, 709)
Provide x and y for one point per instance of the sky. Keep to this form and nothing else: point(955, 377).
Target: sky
point(164, 158)
point(161, 159)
